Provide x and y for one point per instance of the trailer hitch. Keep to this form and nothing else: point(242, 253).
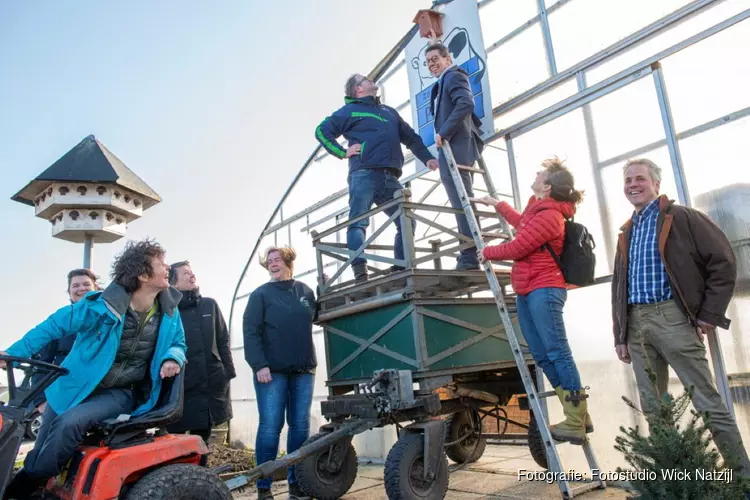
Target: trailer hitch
point(268, 469)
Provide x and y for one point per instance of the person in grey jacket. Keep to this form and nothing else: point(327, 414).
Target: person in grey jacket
point(452, 104)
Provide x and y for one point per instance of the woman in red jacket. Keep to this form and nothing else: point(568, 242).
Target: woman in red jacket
point(541, 290)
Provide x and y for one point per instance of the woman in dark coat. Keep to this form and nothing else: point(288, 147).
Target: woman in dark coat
point(209, 365)
point(277, 328)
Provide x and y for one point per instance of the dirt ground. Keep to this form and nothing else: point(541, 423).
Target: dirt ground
point(241, 460)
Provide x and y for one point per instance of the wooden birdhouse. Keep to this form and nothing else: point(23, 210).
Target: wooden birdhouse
point(88, 194)
point(430, 23)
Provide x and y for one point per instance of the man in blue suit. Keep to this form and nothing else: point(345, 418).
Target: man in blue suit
point(128, 338)
point(453, 107)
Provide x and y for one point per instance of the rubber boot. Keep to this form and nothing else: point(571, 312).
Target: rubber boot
point(587, 419)
point(360, 272)
point(572, 429)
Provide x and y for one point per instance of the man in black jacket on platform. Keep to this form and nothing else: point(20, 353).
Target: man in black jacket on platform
point(209, 365)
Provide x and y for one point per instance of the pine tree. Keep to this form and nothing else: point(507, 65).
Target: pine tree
point(670, 447)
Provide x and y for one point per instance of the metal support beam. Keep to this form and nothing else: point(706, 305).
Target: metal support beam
point(588, 122)
point(549, 49)
point(513, 174)
point(671, 136)
point(714, 344)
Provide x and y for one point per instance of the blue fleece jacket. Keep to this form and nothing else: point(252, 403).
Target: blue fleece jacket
point(378, 128)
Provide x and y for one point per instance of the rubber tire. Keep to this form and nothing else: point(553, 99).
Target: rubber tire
point(321, 488)
point(408, 448)
point(462, 452)
point(30, 433)
point(180, 482)
point(536, 444)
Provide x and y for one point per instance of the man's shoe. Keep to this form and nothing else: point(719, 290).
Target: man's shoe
point(296, 493)
point(396, 269)
point(466, 266)
point(265, 494)
point(360, 273)
point(589, 425)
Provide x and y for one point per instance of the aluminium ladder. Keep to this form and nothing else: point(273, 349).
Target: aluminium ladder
point(553, 459)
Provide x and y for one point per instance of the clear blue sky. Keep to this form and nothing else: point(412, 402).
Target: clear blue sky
point(213, 105)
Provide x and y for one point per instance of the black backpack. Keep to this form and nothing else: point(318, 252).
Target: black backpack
point(578, 261)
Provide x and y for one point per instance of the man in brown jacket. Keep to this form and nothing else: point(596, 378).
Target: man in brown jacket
point(674, 277)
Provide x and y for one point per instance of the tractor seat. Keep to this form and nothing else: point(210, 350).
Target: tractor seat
point(167, 410)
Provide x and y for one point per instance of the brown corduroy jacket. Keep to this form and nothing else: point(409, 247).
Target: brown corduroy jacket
point(699, 261)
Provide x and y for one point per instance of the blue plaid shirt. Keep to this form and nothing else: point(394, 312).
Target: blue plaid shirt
point(648, 282)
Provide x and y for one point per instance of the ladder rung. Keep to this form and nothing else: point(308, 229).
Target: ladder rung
point(495, 236)
point(471, 169)
point(584, 487)
point(547, 394)
point(534, 398)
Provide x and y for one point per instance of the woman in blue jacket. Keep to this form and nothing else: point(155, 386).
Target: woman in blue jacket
point(277, 327)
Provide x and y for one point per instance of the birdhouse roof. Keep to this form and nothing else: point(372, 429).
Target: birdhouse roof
point(429, 12)
point(88, 161)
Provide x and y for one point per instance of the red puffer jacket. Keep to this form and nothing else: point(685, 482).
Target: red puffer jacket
point(542, 221)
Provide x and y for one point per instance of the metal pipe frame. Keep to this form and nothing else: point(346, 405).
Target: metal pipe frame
point(588, 123)
point(668, 21)
point(583, 97)
point(339, 251)
point(717, 359)
point(647, 33)
point(550, 51)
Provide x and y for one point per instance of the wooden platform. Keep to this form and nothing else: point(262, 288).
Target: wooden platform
point(411, 283)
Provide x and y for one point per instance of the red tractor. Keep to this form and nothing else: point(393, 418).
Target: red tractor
point(120, 459)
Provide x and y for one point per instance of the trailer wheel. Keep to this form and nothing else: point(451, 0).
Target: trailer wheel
point(457, 425)
point(404, 470)
point(324, 476)
point(536, 444)
point(180, 481)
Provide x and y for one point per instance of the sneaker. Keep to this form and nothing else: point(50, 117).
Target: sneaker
point(265, 494)
point(296, 493)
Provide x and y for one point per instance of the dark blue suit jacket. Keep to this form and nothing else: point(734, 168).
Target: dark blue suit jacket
point(453, 107)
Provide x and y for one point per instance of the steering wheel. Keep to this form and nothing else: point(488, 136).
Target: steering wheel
point(33, 363)
point(24, 396)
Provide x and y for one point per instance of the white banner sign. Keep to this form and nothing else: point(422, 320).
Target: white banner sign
point(462, 35)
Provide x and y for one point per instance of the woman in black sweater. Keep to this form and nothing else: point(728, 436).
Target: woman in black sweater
point(277, 326)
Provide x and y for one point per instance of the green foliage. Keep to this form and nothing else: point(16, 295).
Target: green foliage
point(670, 450)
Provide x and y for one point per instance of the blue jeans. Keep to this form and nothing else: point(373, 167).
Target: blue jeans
point(290, 393)
point(368, 186)
point(540, 314)
point(60, 435)
point(468, 255)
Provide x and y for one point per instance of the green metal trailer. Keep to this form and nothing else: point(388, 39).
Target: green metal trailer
point(415, 346)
